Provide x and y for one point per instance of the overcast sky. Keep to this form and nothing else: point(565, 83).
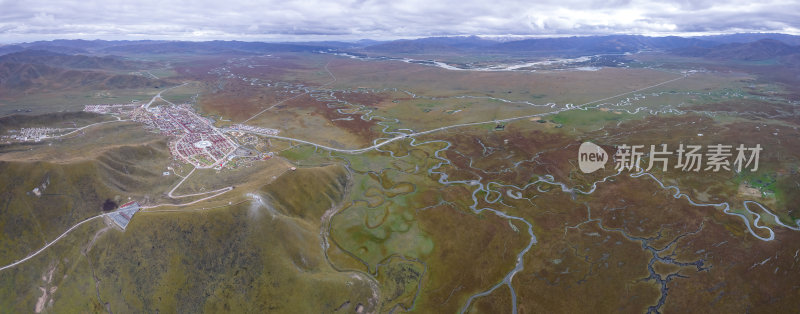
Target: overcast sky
point(29, 20)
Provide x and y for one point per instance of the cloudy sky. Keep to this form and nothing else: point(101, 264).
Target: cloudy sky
point(28, 20)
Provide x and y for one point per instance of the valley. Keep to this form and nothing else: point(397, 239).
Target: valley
point(290, 178)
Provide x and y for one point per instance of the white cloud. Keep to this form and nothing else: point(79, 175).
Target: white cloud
point(315, 19)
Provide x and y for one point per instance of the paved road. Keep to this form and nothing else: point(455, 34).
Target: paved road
point(366, 149)
point(157, 96)
point(348, 151)
point(88, 126)
point(293, 97)
point(32, 255)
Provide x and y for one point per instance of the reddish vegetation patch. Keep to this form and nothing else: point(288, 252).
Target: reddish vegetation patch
point(536, 152)
point(367, 130)
point(779, 158)
point(653, 129)
point(471, 253)
point(262, 68)
point(759, 108)
point(198, 69)
point(785, 146)
point(628, 204)
point(745, 272)
point(238, 98)
point(238, 102)
point(781, 143)
point(498, 301)
point(366, 99)
point(785, 74)
point(268, 68)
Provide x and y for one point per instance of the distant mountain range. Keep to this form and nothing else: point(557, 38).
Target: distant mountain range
point(38, 70)
point(751, 37)
point(752, 51)
point(749, 46)
point(560, 46)
point(432, 45)
point(104, 47)
point(50, 58)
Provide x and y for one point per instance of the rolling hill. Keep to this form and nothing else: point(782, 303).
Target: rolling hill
point(55, 59)
point(16, 78)
point(565, 45)
point(36, 70)
point(753, 51)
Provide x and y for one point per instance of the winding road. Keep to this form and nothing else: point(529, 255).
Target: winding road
point(378, 143)
point(348, 151)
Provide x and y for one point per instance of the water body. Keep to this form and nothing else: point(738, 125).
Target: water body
point(366, 114)
point(578, 64)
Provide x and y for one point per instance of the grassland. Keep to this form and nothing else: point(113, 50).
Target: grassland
point(72, 100)
point(425, 223)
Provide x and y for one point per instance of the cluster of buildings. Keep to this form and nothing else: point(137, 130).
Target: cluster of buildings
point(123, 216)
point(197, 142)
point(110, 108)
point(253, 129)
point(203, 149)
point(29, 134)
